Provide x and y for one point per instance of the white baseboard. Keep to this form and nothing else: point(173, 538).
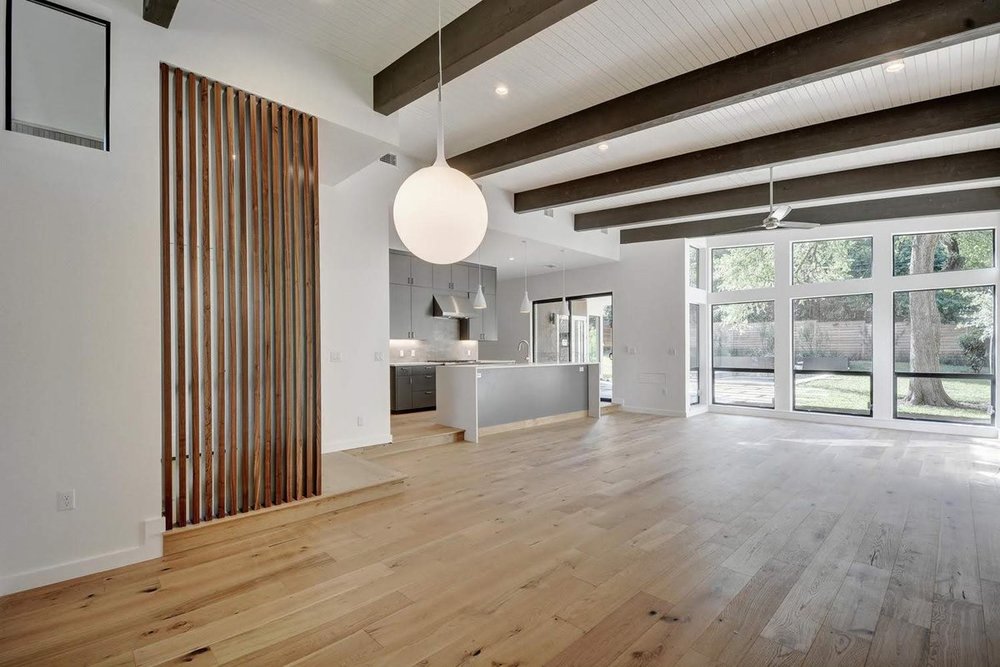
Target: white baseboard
point(151, 534)
point(659, 412)
point(941, 428)
point(341, 444)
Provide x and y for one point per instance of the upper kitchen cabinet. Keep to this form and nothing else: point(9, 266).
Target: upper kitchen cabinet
point(422, 313)
point(400, 312)
point(489, 280)
point(405, 269)
point(484, 327)
point(451, 277)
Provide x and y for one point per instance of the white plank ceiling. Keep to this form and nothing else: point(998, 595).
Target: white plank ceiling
point(613, 47)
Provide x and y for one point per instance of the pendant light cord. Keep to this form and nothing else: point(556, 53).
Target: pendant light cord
point(440, 137)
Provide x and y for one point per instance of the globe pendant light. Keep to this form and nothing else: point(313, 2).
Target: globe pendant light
point(479, 303)
point(525, 302)
point(439, 212)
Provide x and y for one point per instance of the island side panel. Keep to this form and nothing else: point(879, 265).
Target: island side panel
point(521, 393)
point(457, 399)
point(594, 390)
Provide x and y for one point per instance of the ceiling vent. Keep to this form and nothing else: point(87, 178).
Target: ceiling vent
point(388, 158)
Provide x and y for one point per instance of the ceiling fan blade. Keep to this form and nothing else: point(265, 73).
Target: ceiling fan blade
point(745, 229)
point(780, 212)
point(788, 224)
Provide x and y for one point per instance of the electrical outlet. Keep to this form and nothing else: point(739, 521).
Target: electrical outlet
point(379, 356)
point(66, 500)
point(361, 421)
point(413, 353)
point(402, 354)
point(335, 356)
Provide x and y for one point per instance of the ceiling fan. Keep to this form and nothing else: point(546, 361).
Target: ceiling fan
point(776, 215)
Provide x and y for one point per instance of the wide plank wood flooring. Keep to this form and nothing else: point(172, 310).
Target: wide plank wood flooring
point(627, 541)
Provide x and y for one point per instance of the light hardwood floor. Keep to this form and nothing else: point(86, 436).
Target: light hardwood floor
point(628, 541)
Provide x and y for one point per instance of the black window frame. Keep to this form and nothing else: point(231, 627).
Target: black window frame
point(796, 372)
point(8, 66)
point(715, 369)
point(896, 375)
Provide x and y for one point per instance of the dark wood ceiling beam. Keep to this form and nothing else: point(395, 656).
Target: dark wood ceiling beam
point(486, 30)
point(897, 30)
point(958, 168)
point(160, 12)
point(911, 206)
point(953, 113)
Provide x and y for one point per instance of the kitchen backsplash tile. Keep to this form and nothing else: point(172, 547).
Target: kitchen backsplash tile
point(445, 345)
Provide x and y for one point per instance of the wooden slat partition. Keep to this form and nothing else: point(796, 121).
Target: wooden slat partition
point(239, 236)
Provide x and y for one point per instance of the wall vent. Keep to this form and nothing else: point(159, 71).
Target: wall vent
point(550, 212)
point(388, 158)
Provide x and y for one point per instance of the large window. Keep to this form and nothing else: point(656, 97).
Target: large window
point(743, 354)
point(943, 353)
point(945, 251)
point(742, 267)
point(832, 354)
point(694, 267)
point(830, 261)
point(694, 354)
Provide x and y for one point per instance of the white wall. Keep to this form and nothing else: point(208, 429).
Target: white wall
point(354, 241)
point(80, 292)
point(649, 301)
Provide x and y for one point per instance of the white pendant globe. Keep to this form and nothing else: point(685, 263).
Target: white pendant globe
point(440, 214)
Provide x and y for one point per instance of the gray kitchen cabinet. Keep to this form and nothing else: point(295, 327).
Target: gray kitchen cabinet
point(421, 273)
point(400, 312)
point(405, 269)
point(483, 327)
point(460, 278)
point(422, 313)
point(399, 269)
point(489, 280)
point(402, 393)
point(413, 387)
point(491, 330)
point(442, 276)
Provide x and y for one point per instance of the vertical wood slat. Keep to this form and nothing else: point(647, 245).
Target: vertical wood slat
point(288, 410)
point(297, 347)
point(179, 299)
point(206, 300)
point(192, 119)
point(166, 369)
point(317, 404)
point(220, 315)
point(310, 358)
point(267, 320)
point(279, 306)
point(255, 413)
point(254, 431)
point(231, 299)
point(242, 310)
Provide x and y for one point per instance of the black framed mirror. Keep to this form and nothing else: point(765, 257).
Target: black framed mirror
point(58, 73)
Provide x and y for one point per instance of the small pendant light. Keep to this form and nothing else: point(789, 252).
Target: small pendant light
point(525, 302)
point(479, 303)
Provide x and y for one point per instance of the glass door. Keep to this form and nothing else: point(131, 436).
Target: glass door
point(584, 335)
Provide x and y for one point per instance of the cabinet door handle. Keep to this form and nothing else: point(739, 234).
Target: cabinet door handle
point(428, 392)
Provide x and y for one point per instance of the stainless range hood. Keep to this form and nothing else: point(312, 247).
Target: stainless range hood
point(454, 307)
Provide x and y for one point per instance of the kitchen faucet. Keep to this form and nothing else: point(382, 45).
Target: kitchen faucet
point(527, 346)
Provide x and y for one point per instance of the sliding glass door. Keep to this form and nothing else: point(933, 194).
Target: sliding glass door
point(581, 332)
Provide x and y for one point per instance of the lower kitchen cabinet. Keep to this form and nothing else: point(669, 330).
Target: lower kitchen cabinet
point(413, 387)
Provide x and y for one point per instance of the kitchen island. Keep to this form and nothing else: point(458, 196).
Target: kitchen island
point(485, 399)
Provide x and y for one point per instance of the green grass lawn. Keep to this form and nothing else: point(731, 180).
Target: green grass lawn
point(850, 394)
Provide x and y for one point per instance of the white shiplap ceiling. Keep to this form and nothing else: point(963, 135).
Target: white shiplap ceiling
point(613, 47)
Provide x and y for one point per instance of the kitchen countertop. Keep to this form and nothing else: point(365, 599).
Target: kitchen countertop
point(481, 362)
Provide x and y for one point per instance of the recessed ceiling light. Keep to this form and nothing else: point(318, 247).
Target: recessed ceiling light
point(895, 66)
point(603, 147)
point(501, 90)
point(510, 259)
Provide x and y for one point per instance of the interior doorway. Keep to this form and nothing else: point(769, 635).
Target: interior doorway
point(579, 332)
